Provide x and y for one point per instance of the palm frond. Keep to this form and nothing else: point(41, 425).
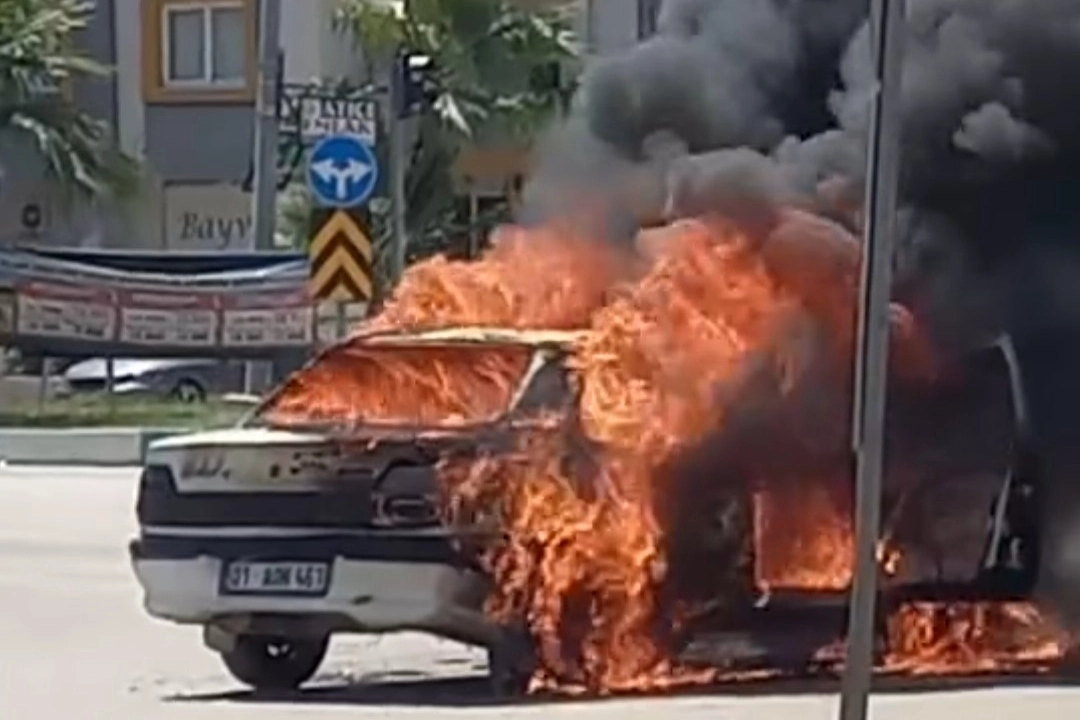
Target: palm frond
point(37, 61)
point(75, 148)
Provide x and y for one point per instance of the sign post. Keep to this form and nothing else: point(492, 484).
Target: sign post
point(342, 174)
point(872, 350)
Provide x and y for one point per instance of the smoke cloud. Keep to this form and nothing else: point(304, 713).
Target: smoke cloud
point(744, 107)
point(747, 104)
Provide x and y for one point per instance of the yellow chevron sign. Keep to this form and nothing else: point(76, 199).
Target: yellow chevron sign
point(341, 257)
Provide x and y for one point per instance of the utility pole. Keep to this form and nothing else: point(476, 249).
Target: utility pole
point(399, 164)
point(398, 103)
point(872, 351)
point(264, 203)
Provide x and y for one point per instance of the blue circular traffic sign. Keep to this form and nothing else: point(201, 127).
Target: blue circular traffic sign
point(342, 171)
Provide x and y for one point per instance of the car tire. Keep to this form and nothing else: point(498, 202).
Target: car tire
point(274, 663)
point(188, 392)
point(511, 664)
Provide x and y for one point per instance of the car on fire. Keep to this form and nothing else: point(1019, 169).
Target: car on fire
point(274, 536)
point(292, 527)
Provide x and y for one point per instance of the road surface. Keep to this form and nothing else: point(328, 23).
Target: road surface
point(74, 643)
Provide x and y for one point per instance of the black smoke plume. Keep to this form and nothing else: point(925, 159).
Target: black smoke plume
point(743, 106)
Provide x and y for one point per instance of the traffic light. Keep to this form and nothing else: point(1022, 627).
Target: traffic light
point(414, 82)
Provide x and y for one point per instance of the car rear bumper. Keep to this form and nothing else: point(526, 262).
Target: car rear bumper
point(376, 585)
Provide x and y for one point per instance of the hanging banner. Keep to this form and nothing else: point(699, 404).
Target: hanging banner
point(169, 318)
point(274, 319)
point(60, 307)
point(65, 311)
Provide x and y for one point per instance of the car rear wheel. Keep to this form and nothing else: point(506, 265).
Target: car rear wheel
point(188, 391)
point(274, 663)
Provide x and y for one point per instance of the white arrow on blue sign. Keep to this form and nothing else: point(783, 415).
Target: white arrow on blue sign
point(342, 171)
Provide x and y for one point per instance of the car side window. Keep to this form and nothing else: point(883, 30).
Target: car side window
point(549, 389)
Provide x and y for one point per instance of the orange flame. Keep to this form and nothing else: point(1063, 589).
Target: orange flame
point(431, 386)
point(529, 279)
point(583, 560)
point(969, 638)
point(805, 540)
point(586, 569)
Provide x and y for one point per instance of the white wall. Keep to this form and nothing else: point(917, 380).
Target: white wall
point(301, 35)
point(312, 47)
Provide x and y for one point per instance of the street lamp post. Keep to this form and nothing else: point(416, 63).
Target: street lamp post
point(872, 351)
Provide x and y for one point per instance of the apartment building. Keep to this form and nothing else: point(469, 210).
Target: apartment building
point(182, 98)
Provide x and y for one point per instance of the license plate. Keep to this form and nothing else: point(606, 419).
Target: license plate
point(246, 577)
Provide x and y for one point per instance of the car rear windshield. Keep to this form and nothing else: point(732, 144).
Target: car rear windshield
point(442, 386)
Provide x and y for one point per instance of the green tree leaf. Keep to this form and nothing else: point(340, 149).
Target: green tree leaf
point(37, 63)
point(492, 66)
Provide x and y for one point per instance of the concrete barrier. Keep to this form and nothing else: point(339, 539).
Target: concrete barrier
point(79, 446)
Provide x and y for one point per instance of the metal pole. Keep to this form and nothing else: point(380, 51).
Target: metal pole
point(110, 384)
point(341, 320)
point(43, 383)
point(474, 221)
point(265, 150)
point(872, 350)
point(264, 204)
point(399, 163)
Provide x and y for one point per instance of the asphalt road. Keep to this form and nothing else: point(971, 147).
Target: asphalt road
point(74, 643)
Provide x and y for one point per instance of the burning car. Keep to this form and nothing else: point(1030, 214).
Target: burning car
point(349, 513)
point(697, 485)
point(278, 533)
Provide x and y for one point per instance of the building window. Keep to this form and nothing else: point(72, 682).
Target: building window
point(204, 45)
point(648, 14)
point(197, 51)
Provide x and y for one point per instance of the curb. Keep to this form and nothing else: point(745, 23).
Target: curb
point(108, 446)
